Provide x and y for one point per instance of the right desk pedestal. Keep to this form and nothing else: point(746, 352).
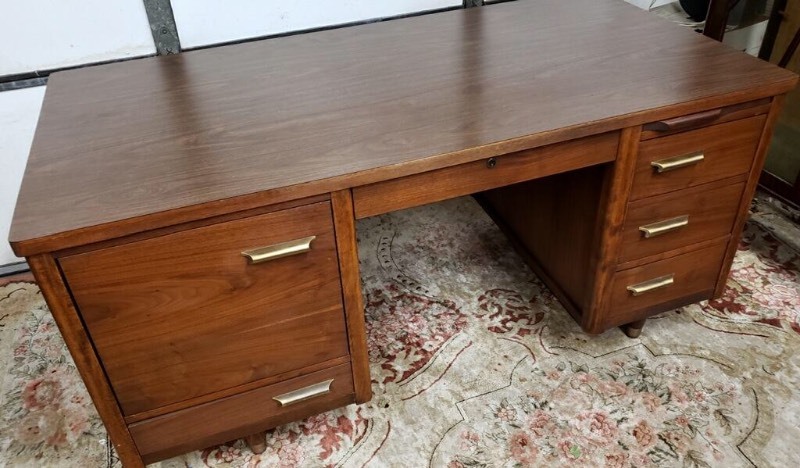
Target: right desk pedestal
point(653, 231)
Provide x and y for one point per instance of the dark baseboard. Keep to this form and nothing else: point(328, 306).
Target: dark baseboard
point(780, 188)
point(321, 28)
point(38, 77)
point(14, 269)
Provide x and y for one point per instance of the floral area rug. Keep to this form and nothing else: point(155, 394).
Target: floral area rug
point(475, 364)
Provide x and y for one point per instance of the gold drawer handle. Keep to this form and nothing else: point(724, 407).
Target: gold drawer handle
point(647, 286)
point(663, 227)
point(284, 249)
point(304, 393)
point(666, 165)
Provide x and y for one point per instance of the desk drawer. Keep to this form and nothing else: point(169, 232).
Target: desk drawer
point(696, 157)
point(486, 174)
point(243, 414)
point(665, 284)
point(678, 219)
point(185, 314)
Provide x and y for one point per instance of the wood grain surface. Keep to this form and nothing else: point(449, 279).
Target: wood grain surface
point(180, 316)
point(149, 143)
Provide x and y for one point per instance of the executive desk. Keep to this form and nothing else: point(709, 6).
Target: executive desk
point(191, 219)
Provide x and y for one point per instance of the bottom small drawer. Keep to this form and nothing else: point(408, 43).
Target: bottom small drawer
point(674, 282)
point(239, 415)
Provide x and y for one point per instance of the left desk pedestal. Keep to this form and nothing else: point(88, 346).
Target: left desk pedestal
point(218, 331)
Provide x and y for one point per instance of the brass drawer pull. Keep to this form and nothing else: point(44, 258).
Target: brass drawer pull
point(304, 393)
point(284, 249)
point(677, 162)
point(647, 286)
point(663, 227)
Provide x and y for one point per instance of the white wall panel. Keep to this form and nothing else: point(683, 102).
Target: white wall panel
point(19, 111)
point(747, 39)
point(47, 34)
point(202, 22)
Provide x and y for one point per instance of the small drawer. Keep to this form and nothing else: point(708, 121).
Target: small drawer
point(646, 290)
point(659, 224)
point(187, 314)
point(243, 414)
point(696, 157)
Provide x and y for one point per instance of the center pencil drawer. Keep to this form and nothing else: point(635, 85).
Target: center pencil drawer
point(487, 174)
point(187, 314)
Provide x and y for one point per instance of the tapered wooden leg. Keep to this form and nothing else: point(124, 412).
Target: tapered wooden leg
point(634, 329)
point(257, 442)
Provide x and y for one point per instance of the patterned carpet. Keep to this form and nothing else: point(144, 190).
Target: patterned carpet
point(476, 364)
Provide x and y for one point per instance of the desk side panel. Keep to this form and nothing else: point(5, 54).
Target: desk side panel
point(749, 191)
point(551, 223)
point(59, 300)
point(347, 244)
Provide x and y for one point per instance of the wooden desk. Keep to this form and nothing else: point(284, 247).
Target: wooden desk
point(618, 151)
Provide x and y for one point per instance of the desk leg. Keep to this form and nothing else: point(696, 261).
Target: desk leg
point(58, 299)
point(257, 442)
point(633, 329)
point(345, 225)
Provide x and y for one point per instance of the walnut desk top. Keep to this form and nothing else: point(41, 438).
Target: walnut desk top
point(153, 142)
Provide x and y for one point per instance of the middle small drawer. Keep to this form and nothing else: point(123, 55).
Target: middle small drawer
point(659, 224)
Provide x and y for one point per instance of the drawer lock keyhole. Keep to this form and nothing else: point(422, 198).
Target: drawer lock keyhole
point(491, 162)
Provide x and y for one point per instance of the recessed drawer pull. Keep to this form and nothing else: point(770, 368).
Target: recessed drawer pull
point(653, 284)
point(284, 249)
point(663, 227)
point(304, 393)
point(684, 122)
point(677, 162)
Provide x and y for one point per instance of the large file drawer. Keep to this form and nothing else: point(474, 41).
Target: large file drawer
point(187, 314)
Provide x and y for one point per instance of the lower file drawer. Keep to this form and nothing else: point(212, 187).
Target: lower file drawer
point(674, 282)
point(239, 415)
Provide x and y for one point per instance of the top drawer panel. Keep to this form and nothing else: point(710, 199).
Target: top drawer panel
point(185, 314)
point(684, 123)
point(727, 150)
